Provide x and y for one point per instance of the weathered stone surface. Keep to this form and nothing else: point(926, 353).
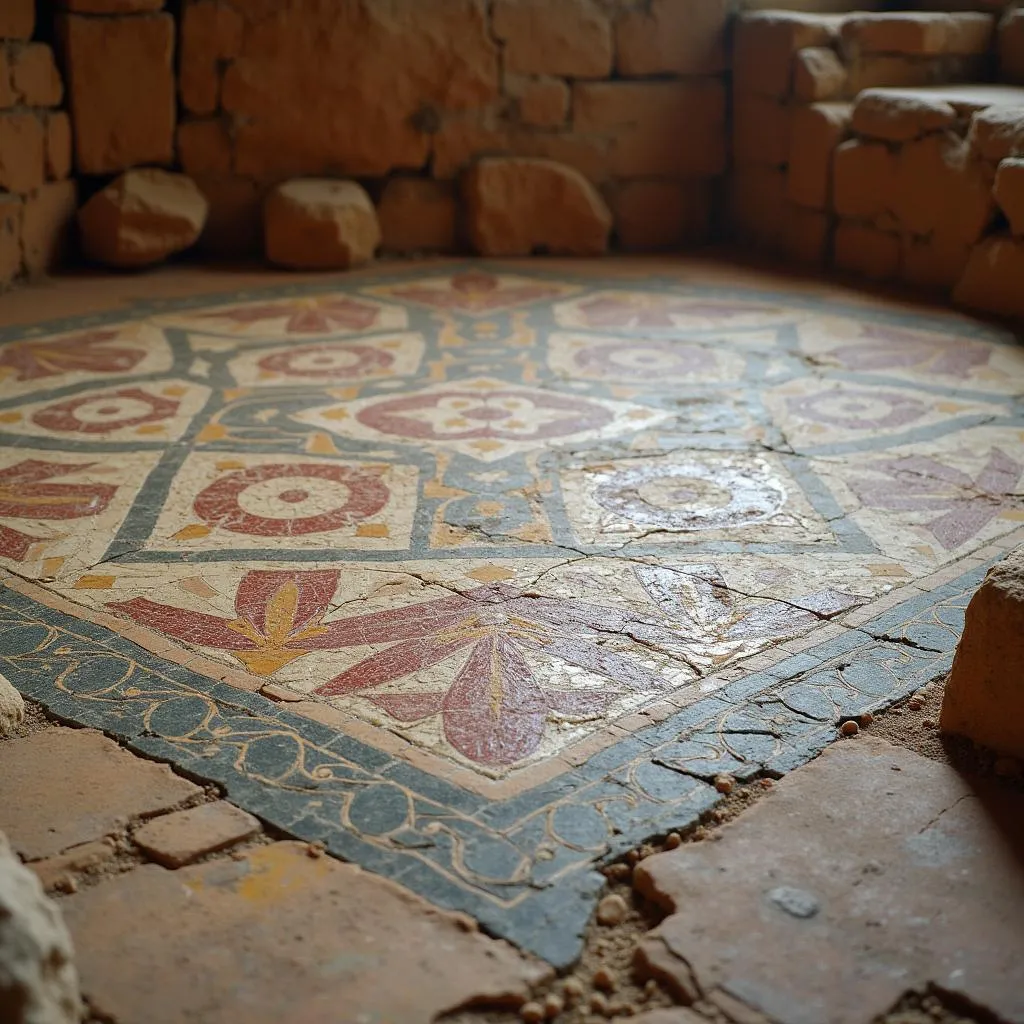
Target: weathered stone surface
point(58, 145)
point(17, 19)
point(141, 218)
point(340, 936)
point(805, 236)
point(652, 216)
point(935, 263)
point(941, 192)
point(992, 277)
point(22, 152)
point(204, 147)
point(542, 101)
point(363, 96)
point(899, 116)
point(10, 238)
point(984, 695)
point(38, 981)
point(656, 128)
point(121, 90)
point(757, 205)
point(211, 32)
point(1009, 193)
point(111, 6)
point(761, 129)
point(517, 206)
point(765, 42)
point(319, 224)
point(866, 251)
point(7, 96)
point(970, 32)
point(87, 858)
point(816, 132)
point(417, 215)
point(1010, 46)
point(70, 786)
point(838, 904)
point(182, 837)
point(234, 224)
point(672, 37)
point(877, 70)
point(571, 38)
point(818, 74)
point(12, 707)
point(997, 132)
point(46, 226)
point(863, 179)
point(916, 34)
point(35, 76)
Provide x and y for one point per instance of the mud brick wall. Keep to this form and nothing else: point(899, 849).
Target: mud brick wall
point(37, 198)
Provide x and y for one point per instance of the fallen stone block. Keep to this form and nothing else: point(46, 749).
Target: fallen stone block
point(984, 696)
point(1009, 192)
point(896, 116)
point(992, 279)
point(142, 218)
point(517, 206)
point(12, 708)
point(320, 224)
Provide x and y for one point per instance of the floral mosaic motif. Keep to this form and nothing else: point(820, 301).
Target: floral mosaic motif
point(890, 348)
point(309, 315)
point(858, 408)
point(101, 413)
point(653, 311)
point(474, 292)
point(89, 352)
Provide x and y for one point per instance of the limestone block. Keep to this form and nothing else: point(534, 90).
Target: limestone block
point(992, 278)
point(1010, 46)
point(941, 192)
point(653, 216)
point(805, 236)
point(111, 6)
point(10, 245)
point(997, 133)
point(35, 77)
point(817, 130)
point(517, 206)
point(542, 101)
point(865, 250)
point(933, 263)
point(818, 74)
point(22, 152)
point(417, 215)
point(657, 128)
point(7, 96)
point(863, 180)
point(872, 71)
point(12, 706)
point(121, 90)
point(905, 32)
point(899, 116)
point(234, 223)
point(38, 980)
point(204, 147)
point(58, 145)
point(1009, 193)
point(761, 129)
point(46, 226)
point(757, 205)
point(984, 696)
point(571, 37)
point(672, 37)
point(320, 224)
point(211, 32)
point(765, 42)
point(970, 33)
point(17, 19)
point(141, 218)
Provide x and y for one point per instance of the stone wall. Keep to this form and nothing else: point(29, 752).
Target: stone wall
point(37, 199)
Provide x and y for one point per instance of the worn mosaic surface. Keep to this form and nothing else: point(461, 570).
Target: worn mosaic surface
point(481, 575)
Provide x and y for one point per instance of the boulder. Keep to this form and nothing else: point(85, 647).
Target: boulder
point(141, 218)
point(12, 708)
point(38, 981)
point(320, 224)
point(984, 698)
point(517, 206)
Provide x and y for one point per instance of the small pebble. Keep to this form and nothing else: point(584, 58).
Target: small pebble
point(619, 1009)
point(618, 872)
point(718, 815)
point(632, 858)
point(532, 1013)
point(554, 1004)
point(673, 840)
point(915, 703)
point(766, 783)
point(316, 849)
point(1007, 767)
point(599, 1003)
point(573, 990)
point(611, 910)
point(850, 728)
point(866, 719)
point(724, 783)
point(604, 979)
point(927, 723)
point(66, 884)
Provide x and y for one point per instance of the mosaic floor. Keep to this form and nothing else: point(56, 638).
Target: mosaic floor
point(481, 574)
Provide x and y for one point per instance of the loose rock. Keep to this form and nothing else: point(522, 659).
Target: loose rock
point(142, 218)
point(12, 708)
point(724, 783)
point(850, 728)
point(611, 910)
point(573, 990)
point(604, 979)
point(553, 1005)
point(532, 1013)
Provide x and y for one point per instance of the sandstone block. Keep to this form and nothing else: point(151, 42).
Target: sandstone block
point(863, 180)
point(12, 706)
point(58, 145)
point(672, 37)
point(761, 129)
point(17, 19)
point(997, 133)
point(984, 696)
point(571, 38)
point(542, 102)
point(142, 218)
point(85, 859)
point(121, 88)
point(805, 236)
point(757, 205)
point(941, 192)
point(38, 980)
point(7, 94)
point(905, 32)
point(211, 31)
point(866, 251)
point(870, 71)
point(417, 215)
point(204, 147)
point(933, 263)
point(899, 116)
point(818, 74)
point(970, 32)
point(1009, 193)
point(817, 130)
point(658, 128)
point(518, 206)
point(10, 267)
point(764, 45)
point(653, 216)
point(234, 224)
point(182, 837)
point(46, 226)
point(320, 224)
point(111, 6)
point(991, 280)
point(22, 152)
point(35, 76)
point(1010, 46)
point(588, 154)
